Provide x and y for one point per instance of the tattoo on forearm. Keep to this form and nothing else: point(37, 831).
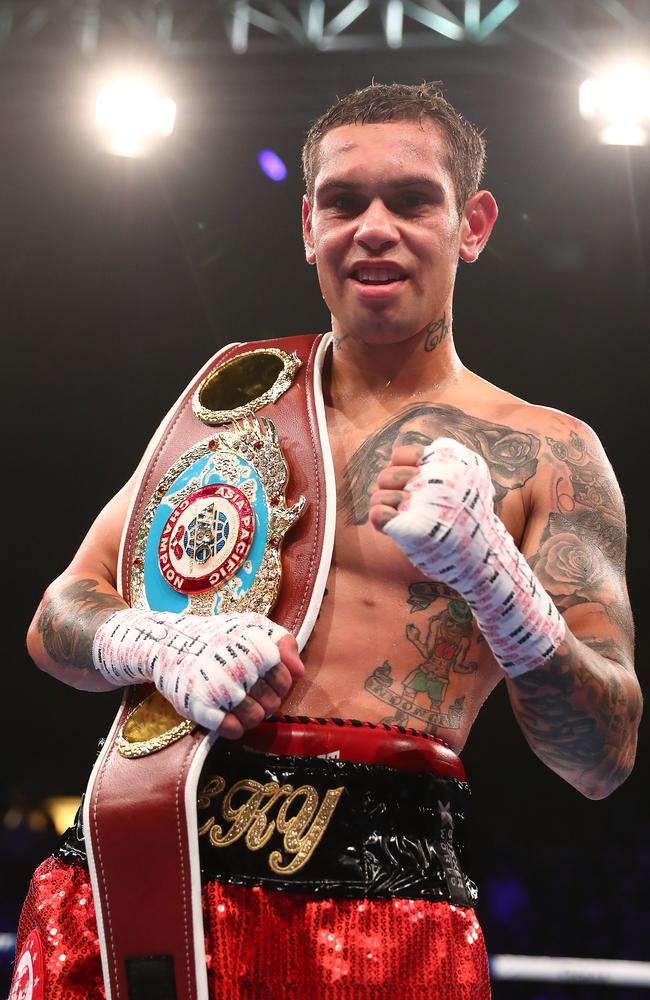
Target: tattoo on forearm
point(580, 712)
point(68, 622)
point(437, 332)
point(579, 716)
point(511, 455)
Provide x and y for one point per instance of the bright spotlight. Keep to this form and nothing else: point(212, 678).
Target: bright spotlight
point(619, 100)
point(131, 114)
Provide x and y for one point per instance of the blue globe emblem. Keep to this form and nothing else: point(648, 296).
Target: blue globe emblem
point(206, 535)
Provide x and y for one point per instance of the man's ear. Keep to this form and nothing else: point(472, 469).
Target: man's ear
point(307, 235)
point(479, 215)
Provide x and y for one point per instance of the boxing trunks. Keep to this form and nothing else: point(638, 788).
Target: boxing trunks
point(331, 857)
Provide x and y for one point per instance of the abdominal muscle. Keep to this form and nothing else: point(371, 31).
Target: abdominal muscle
point(391, 646)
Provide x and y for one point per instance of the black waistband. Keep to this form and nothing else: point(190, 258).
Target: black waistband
point(331, 828)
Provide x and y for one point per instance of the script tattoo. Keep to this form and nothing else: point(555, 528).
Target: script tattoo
point(68, 622)
point(581, 710)
point(436, 332)
point(423, 697)
point(511, 455)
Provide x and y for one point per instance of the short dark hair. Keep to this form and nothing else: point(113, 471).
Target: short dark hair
point(396, 102)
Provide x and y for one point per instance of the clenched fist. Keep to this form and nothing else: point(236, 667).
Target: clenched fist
point(437, 504)
point(227, 672)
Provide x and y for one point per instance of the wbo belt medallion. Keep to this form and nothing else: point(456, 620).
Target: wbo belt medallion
point(206, 538)
point(210, 538)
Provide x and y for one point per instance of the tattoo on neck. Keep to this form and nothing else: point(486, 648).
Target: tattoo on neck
point(436, 332)
point(339, 340)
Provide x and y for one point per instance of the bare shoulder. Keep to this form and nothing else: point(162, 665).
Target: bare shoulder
point(561, 442)
point(574, 507)
point(528, 448)
point(574, 470)
point(98, 554)
point(523, 413)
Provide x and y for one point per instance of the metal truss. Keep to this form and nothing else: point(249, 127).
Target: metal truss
point(185, 27)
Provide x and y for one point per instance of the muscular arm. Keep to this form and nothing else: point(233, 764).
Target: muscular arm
point(60, 638)
point(73, 607)
point(580, 712)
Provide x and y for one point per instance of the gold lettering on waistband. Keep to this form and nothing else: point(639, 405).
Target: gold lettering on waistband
point(249, 818)
point(301, 839)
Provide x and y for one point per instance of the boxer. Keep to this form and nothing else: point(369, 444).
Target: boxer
point(479, 538)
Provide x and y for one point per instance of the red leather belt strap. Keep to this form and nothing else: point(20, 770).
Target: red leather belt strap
point(140, 814)
point(138, 821)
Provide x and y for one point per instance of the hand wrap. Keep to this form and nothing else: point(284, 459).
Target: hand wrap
point(204, 666)
point(449, 530)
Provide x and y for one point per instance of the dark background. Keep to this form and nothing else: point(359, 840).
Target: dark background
point(119, 278)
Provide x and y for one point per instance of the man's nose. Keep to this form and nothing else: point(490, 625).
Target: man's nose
point(376, 229)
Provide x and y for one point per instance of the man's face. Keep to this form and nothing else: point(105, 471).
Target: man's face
point(383, 230)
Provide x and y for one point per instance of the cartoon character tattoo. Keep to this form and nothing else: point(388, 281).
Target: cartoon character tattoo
point(443, 651)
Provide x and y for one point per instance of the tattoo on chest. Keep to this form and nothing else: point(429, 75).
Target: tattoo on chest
point(511, 455)
point(426, 696)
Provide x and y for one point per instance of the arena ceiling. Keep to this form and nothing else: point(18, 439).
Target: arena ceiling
point(278, 26)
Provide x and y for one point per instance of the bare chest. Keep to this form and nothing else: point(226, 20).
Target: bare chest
point(359, 455)
point(391, 645)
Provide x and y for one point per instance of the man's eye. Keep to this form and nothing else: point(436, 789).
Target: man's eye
point(410, 199)
point(343, 203)
point(414, 438)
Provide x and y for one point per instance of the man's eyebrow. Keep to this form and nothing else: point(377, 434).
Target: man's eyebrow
point(414, 180)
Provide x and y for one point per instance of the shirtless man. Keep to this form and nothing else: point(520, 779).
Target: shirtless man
point(393, 202)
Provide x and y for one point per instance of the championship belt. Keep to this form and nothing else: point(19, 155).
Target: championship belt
point(241, 461)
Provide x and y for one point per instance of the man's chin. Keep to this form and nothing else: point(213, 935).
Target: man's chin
point(382, 335)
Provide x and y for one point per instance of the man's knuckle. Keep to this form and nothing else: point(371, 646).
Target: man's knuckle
point(271, 706)
point(283, 686)
point(231, 728)
point(256, 715)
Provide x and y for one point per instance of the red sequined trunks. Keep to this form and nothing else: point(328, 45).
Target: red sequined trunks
point(370, 918)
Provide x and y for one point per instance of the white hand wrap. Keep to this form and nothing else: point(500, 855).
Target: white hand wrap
point(449, 530)
point(204, 666)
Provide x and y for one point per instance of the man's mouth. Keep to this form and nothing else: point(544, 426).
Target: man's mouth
point(377, 276)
